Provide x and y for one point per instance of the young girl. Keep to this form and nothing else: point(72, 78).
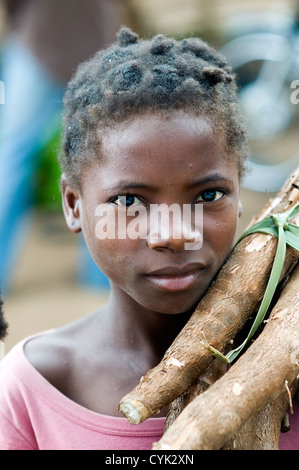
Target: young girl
point(146, 123)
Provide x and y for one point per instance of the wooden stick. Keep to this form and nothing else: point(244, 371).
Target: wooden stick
point(260, 432)
point(232, 298)
point(263, 429)
point(216, 370)
point(266, 371)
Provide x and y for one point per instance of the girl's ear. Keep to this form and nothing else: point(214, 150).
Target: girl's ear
point(71, 205)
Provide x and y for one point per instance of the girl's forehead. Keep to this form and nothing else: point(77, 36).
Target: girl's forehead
point(154, 133)
point(176, 149)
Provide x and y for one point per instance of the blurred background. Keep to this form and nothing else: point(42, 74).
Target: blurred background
point(46, 276)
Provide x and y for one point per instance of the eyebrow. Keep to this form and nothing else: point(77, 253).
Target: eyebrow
point(124, 184)
point(213, 178)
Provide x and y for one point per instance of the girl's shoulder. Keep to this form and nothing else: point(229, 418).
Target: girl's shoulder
point(14, 362)
point(54, 354)
point(71, 357)
point(48, 354)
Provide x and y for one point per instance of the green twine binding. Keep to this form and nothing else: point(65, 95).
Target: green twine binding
point(287, 234)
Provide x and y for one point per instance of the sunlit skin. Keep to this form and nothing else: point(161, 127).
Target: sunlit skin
point(148, 160)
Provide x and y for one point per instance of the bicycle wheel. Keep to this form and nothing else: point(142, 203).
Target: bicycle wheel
point(264, 65)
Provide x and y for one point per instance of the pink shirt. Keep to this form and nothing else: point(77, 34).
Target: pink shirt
point(34, 415)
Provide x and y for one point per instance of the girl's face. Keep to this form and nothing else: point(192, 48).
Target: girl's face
point(147, 162)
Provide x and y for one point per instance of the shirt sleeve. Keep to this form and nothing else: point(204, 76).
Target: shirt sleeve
point(16, 432)
point(11, 438)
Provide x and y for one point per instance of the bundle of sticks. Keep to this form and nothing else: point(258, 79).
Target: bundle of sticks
point(243, 407)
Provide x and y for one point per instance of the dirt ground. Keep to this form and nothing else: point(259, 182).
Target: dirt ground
point(45, 293)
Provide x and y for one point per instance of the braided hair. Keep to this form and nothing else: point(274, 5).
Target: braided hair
point(135, 76)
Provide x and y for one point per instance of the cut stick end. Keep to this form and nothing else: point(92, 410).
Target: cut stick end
point(135, 411)
point(160, 446)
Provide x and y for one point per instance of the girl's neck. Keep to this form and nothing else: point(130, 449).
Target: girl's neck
point(132, 326)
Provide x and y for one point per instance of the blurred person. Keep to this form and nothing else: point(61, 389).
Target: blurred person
point(44, 42)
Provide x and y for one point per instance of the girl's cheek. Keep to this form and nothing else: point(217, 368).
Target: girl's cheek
point(220, 231)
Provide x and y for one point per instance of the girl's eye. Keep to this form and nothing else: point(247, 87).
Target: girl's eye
point(127, 200)
point(210, 196)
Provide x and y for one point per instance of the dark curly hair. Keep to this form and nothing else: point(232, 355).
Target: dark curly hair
point(135, 76)
point(3, 324)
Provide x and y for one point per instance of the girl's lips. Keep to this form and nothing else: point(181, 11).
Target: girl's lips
point(175, 283)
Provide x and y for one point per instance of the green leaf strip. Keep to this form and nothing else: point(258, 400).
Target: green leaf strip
point(287, 234)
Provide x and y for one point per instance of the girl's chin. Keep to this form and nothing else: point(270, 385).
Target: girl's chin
point(172, 307)
point(169, 303)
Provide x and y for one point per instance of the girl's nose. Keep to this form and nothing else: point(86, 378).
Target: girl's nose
point(176, 236)
point(155, 242)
